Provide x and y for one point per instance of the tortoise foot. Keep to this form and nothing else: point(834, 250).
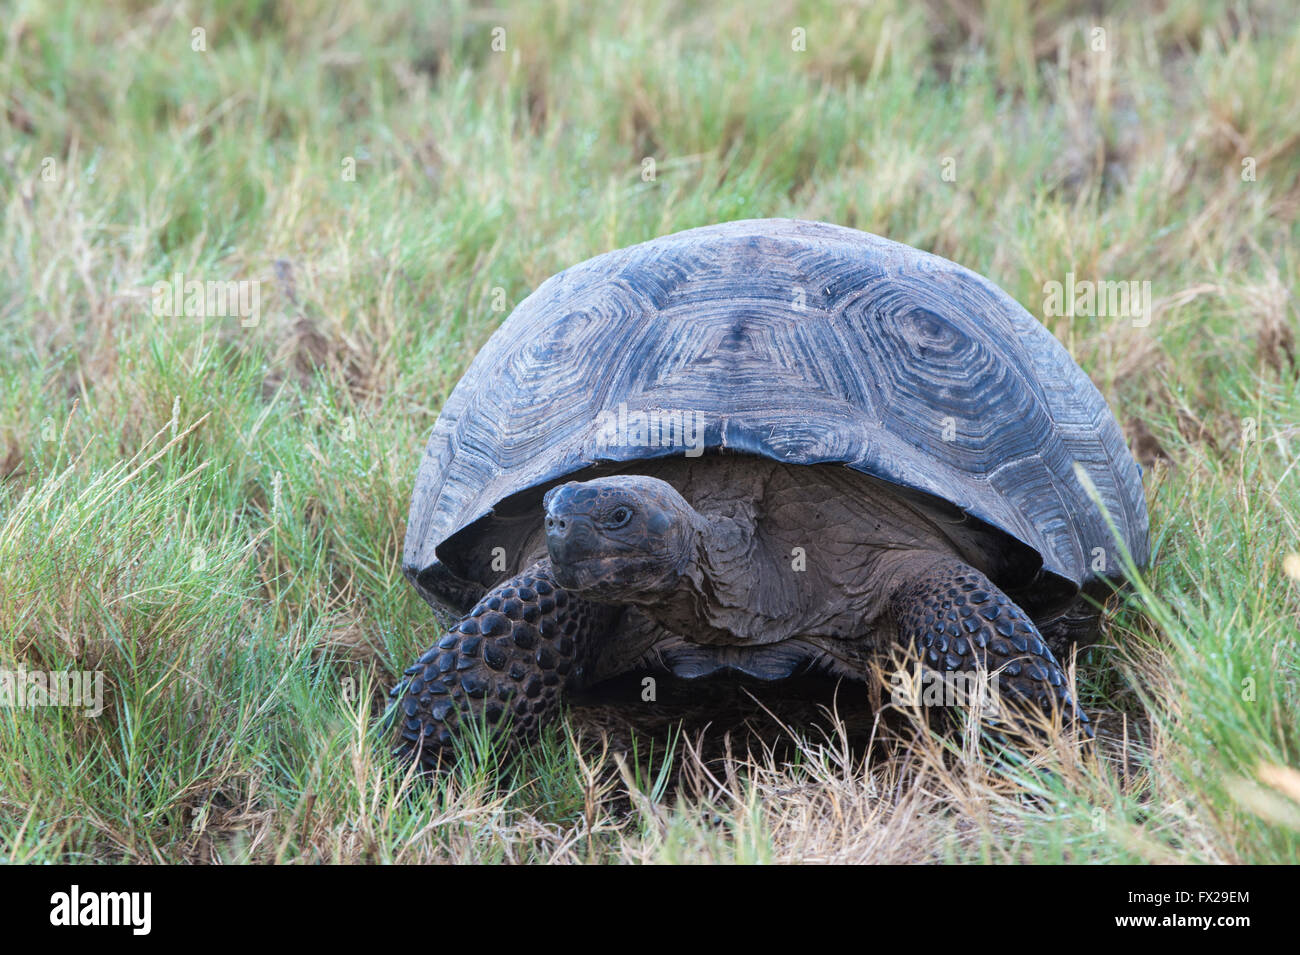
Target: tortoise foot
point(504, 667)
point(955, 620)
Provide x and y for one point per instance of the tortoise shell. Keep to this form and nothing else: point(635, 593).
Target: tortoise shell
point(798, 341)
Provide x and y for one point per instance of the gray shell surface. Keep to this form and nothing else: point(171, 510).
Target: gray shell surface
point(802, 342)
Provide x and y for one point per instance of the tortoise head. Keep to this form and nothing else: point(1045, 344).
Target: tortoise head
point(622, 538)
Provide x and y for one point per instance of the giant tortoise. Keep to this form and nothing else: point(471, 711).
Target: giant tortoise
point(761, 449)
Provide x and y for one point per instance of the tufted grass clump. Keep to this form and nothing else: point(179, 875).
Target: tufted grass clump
point(209, 510)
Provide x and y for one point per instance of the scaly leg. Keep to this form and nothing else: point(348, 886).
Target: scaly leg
point(955, 619)
point(513, 656)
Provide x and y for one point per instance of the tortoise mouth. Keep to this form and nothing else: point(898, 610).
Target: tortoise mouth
point(610, 579)
point(579, 563)
point(577, 575)
point(593, 579)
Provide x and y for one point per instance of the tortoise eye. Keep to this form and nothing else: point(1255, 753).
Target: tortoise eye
point(620, 516)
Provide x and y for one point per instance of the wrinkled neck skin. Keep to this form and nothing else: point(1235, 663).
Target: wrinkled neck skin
point(686, 538)
point(726, 590)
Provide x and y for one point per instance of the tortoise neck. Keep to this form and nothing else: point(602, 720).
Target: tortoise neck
point(687, 603)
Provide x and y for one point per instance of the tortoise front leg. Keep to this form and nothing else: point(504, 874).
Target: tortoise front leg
point(507, 663)
point(954, 618)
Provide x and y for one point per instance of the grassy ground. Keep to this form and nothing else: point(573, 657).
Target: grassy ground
point(211, 512)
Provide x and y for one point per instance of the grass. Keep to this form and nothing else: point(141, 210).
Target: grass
point(211, 513)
